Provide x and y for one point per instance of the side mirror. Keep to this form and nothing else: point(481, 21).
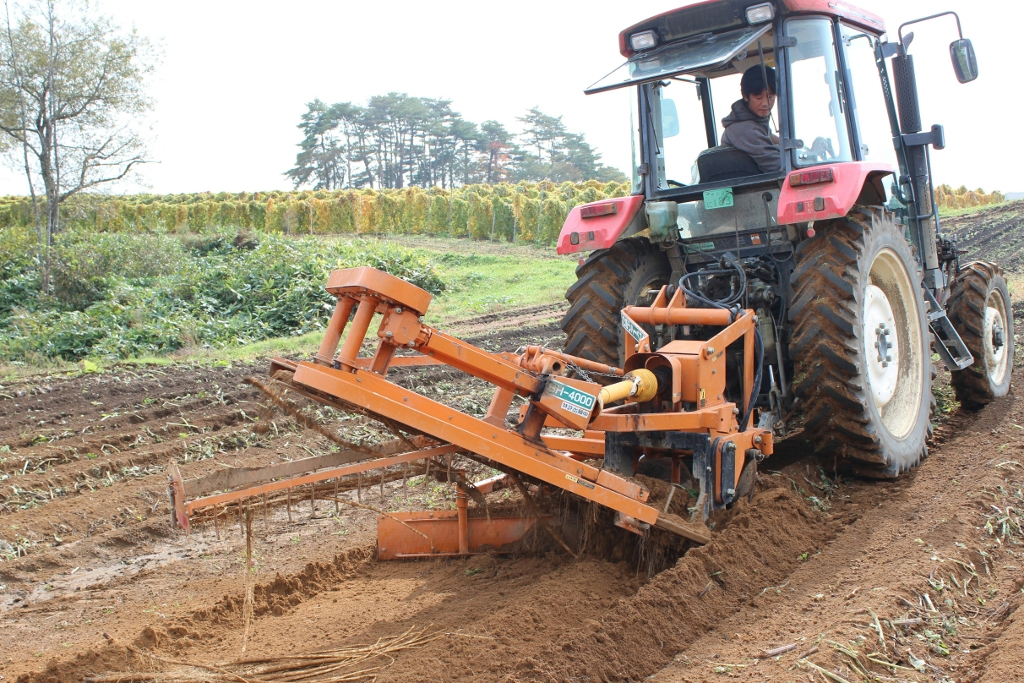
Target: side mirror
point(965, 64)
point(669, 119)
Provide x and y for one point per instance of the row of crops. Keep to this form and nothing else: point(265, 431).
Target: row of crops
point(123, 294)
point(525, 212)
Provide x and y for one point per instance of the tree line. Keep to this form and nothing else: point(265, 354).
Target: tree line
point(399, 141)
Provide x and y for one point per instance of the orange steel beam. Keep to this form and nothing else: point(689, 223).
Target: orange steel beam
point(498, 369)
point(400, 362)
point(332, 336)
point(720, 419)
point(292, 482)
point(396, 541)
point(679, 316)
point(357, 331)
point(575, 445)
point(509, 448)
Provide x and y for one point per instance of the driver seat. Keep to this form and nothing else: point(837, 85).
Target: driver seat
point(725, 162)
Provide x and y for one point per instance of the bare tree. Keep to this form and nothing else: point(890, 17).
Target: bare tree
point(71, 89)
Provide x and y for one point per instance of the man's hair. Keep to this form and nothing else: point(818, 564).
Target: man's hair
point(753, 79)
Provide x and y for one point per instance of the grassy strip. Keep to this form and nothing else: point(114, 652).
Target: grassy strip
point(947, 212)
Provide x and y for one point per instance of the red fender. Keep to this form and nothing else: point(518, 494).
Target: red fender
point(601, 232)
point(831, 199)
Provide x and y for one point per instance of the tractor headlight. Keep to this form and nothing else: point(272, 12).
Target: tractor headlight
point(758, 14)
point(643, 41)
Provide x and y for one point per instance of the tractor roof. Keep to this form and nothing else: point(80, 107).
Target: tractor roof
point(714, 15)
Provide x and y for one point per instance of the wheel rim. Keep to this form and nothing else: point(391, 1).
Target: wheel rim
point(997, 360)
point(893, 344)
point(884, 362)
point(649, 291)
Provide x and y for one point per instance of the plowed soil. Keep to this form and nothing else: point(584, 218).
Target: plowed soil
point(917, 579)
point(994, 233)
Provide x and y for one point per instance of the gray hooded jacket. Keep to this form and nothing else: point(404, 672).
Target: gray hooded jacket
point(749, 132)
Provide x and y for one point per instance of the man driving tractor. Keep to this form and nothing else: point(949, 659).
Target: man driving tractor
point(746, 127)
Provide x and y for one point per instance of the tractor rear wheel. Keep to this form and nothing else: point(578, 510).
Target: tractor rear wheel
point(979, 308)
point(608, 281)
point(861, 344)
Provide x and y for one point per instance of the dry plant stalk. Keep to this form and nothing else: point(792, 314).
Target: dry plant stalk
point(824, 672)
point(774, 652)
point(249, 583)
point(354, 663)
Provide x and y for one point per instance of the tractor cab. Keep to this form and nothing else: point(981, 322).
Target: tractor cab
point(687, 66)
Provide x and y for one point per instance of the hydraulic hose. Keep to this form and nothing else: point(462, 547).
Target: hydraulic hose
point(756, 389)
point(727, 302)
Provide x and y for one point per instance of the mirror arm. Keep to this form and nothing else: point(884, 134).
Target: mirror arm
point(899, 32)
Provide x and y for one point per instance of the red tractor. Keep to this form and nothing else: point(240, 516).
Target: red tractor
point(839, 250)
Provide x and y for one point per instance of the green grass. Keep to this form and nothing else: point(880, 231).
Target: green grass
point(952, 213)
point(489, 283)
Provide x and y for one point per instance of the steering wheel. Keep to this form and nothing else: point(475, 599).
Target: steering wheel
point(674, 183)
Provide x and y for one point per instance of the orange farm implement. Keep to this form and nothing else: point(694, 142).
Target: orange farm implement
point(665, 404)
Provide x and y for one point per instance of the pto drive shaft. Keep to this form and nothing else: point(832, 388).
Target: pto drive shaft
point(639, 386)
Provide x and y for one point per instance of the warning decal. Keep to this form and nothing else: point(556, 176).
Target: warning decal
point(631, 328)
point(573, 400)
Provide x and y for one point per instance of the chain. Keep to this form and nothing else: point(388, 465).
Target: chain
point(586, 375)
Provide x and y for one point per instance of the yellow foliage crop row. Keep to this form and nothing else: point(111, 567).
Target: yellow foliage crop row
point(530, 212)
point(961, 198)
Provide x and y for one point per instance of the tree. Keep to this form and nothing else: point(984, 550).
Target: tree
point(542, 132)
point(321, 162)
point(498, 146)
point(551, 152)
point(71, 87)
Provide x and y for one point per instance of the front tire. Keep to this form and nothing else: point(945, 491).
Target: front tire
point(979, 308)
point(862, 366)
point(608, 281)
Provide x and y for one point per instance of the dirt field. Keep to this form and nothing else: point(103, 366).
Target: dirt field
point(994, 233)
point(913, 580)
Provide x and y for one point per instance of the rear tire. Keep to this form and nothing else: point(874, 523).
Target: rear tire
point(608, 281)
point(861, 345)
point(979, 308)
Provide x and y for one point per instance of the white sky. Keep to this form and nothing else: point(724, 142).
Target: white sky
point(236, 76)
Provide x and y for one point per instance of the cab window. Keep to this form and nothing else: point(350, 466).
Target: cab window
point(818, 107)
